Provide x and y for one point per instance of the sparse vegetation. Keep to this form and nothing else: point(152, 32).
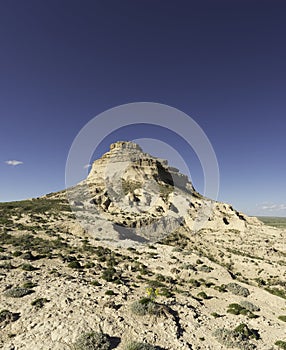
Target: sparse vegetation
point(39, 303)
point(18, 292)
point(237, 289)
point(92, 341)
point(139, 346)
point(281, 344)
point(7, 316)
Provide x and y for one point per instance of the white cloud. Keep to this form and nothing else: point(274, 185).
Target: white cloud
point(273, 207)
point(87, 166)
point(13, 162)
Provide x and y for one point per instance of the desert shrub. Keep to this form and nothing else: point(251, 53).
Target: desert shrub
point(145, 306)
point(18, 292)
point(203, 295)
point(29, 285)
point(237, 309)
point(109, 274)
point(28, 267)
point(281, 344)
point(195, 283)
point(95, 283)
point(17, 253)
point(165, 292)
point(276, 291)
point(205, 268)
point(92, 341)
point(215, 315)
point(221, 288)
point(139, 346)
point(75, 264)
point(244, 330)
point(233, 339)
point(7, 316)
point(89, 265)
point(39, 303)
point(234, 309)
point(109, 292)
point(282, 318)
point(249, 306)
point(237, 289)
point(28, 256)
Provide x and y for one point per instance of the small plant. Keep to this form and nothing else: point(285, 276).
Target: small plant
point(221, 288)
point(109, 292)
point(92, 341)
point(139, 346)
point(276, 291)
point(237, 309)
point(238, 338)
point(7, 316)
point(282, 318)
point(109, 274)
point(203, 295)
point(247, 332)
point(281, 344)
point(18, 292)
point(29, 285)
point(237, 289)
point(95, 283)
point(28, 267)
point(215, 315)
point(146, 306)
point(152, 293)
point(74, 265)
point(249, 306)
point(205, 268)
point(195, 283)
point(39, 303)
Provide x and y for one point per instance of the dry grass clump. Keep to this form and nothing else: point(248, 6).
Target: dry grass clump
point(139, 346)
point(237, 289)
point(92, 341)
point(18, 292)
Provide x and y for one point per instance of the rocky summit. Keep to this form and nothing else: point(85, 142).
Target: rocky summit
point(132, 258)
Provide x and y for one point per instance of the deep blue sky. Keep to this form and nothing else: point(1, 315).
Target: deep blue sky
point(222, 62)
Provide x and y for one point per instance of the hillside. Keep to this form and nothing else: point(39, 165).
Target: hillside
point(134, 254)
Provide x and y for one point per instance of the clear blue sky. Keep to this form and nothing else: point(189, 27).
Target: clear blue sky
point(221, 62)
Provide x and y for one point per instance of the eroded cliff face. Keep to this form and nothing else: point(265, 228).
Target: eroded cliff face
point(130, 194)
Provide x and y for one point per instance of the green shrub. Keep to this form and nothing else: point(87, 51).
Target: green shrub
point(92, 341)
point(238, 338)
point(109, 292)
point(282, 318)
point(203, 295)
point(39, 303)
point(215, 315)
point(29, 285)
point(237, 309)
point(276, 291)
point(247, 332)
point(75, 265)
point(28, 267)
point(146, 306)
point(281, 344)
point(95, 283)
point(109, 274)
